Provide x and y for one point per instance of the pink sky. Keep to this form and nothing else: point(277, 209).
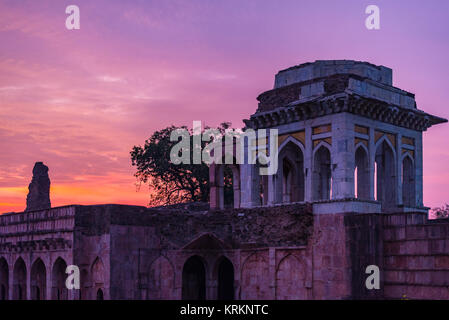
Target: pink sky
point(79, 100)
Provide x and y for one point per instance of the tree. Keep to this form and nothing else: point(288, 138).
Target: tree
point(170, 183)
point(441, 212)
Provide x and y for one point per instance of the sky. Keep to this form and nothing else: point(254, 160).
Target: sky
point(79, 100)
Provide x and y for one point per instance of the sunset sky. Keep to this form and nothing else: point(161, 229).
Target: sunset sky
point(79, 100)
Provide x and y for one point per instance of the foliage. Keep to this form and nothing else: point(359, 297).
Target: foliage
point(170, 183)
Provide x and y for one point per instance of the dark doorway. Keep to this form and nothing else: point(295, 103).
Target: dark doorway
point(100, 294)
point(225, 280)
point(194, 280)
point(3, 293)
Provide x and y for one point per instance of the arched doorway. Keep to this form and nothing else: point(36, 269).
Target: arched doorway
point(194, 279)
point(4, 279)
point(290, 177)
point(20, 280)
point(408, 182)
point(58, 276)
point(100, 295)
point(287, 181)
point(385, 175)
point(322, 174)
point(98, 277)
point(361, 173)
point(225, 280)
point(38, 280)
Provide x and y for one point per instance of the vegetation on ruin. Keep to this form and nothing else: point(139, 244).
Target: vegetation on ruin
point(170, 183)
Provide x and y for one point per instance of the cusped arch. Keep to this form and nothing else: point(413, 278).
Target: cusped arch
point(254, 275)
point(320, 145)
point(224, 273)
point(408, 181)
point(361, 172)
point(97, 271)
point(386, 175)
point(388, 142)
point(194, 278)
point(161, 279)
point(58, 277)
point(322, 172)
point(38, 280)
point(291, 274)
point(4, 279)
point(20, 280)
point(294, 141)
point(290, 178)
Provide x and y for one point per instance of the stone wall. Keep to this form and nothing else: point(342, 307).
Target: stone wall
point(416, 257)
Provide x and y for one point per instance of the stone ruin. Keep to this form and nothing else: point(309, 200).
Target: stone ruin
point(347, 195)
point(38, 197)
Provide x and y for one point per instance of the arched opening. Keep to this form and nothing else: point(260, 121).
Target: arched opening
point(225, 186)
point(261, 183)
point(58, 277)
point(98, 276)
point(385, 175)
point(83, 292)
point(322, 174)
point(287, 181)
point(290, 176)
point(408, 182)
point(194, 279)
point(4, 279)
point(361, 174)
point(38, 280)
point(228, 186)
point(100, 294)
point(225, 280)
point(19, 280)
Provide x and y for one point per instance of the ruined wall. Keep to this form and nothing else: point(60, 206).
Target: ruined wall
point(331, 257)
point(365, 245)
point(416, 257)
point(36, 237)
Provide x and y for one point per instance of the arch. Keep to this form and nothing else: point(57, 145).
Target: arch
point(97, 272)
point(290, 279)
point(322, 173)
point(84, 287)
point(289, 180)
point(100, 294)
point(38, 280)
point(408, 181)
point(254, 275)
point(194, 279)
point(261, 181)
point(385, 159)
point(20, 280)
point(224, 185)
point(361, 173)
point(161, 280)
point(225, 279)
point(4, 279)
point(58, 277)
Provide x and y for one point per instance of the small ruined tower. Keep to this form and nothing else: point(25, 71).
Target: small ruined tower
point(39, 189)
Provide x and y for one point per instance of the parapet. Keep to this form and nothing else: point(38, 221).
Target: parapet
point(326, 68)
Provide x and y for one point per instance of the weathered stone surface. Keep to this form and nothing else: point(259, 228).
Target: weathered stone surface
point(39, 189)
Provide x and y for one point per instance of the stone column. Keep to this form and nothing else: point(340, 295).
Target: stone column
point(342, 157)
point(10, 280)
point(372, 163)
point(308, 161)
point(418, 165)
point(399, 169)
point(272, 270)
point(28, 277)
